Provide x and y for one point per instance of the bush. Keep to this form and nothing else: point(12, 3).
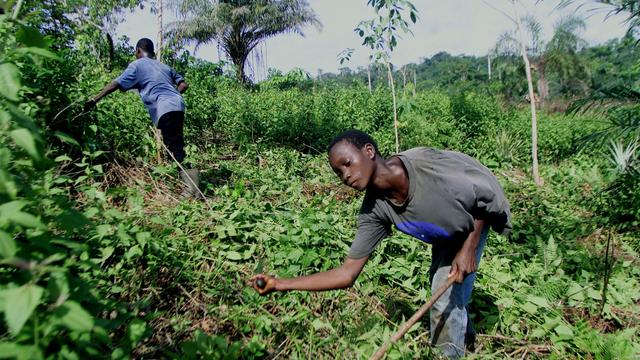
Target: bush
point(477, 118)
point(431, 123)
point(49, 256)
point(300, 119)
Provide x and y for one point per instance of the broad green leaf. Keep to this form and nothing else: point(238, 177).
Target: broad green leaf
point(7, 208)
point(136, 331)
point(142, 238)
point(66, 138)
point(58, 287)
point(38, 51)
point(538, 333)
point(529, 307)
point(24, 139)
point(5, 118)
point(30, 36)
point(22, 119)
point(564, 331)
point(106, 252)
point(19, 305)
point(9, 81)
point(133, 251)
point(19, 352)
point(319, 324)
point(540, 301)
point(62, 158)
point(74, 316)
point(234, 255)
point(7, 245)
point(72, 220)
point(26, 220)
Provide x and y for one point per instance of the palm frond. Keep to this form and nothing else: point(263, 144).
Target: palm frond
point(566, 35)
point(507, 44)
point(615, 7)
point(603, 100)
point(624, 157)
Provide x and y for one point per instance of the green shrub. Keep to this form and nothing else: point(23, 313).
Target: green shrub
point(49, 261)
point(300, 119)
point(430, 122)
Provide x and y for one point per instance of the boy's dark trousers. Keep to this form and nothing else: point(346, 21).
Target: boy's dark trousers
point(170, 125)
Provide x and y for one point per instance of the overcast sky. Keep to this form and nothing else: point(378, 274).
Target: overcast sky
point(468, 27)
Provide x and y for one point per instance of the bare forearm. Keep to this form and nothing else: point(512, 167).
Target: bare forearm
point(471, 244)
point(182, 87)
point(338, 278)
point(328, 280)
point(111, 87)
point(465, 260)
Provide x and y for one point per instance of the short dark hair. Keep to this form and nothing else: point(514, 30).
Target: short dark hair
point(356, 138)
point(146, 45)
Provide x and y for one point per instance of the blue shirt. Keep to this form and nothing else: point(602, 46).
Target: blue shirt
point(155, 82)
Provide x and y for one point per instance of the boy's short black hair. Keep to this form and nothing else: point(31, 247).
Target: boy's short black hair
point(146, 45)
point(356, 138)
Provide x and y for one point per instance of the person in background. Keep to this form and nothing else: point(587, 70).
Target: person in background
point(444, 198)
point(160, 88)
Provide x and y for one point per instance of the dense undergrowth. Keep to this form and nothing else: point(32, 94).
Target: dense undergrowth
point(539, 293)
point(101, 258)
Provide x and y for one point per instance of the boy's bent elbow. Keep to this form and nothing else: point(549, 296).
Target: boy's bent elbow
point(349, 277)
point(351, 270)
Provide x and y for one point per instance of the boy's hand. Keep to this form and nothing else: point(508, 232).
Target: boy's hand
point(263, 284)
point(90, 104)
point(463, 264)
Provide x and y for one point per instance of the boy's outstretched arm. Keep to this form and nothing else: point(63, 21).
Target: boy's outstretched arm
point(338, 278)
point(108, 89)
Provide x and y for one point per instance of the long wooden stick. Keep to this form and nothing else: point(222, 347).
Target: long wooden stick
point(409, 323)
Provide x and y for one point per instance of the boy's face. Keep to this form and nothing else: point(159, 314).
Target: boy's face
point(353, 166)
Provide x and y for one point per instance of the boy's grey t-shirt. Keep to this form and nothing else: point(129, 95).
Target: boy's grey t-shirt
point(155, 81)
point(447, 190)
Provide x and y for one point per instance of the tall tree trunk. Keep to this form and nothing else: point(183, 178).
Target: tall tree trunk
point(369, 77)
point(534, 120)
point(543, 84)
point(415, 83)
point(404, 80)
point(111, 51)
point(395, 106)
point(240, 75)
point(157, 132)
point(160, 32)
point(489, 65)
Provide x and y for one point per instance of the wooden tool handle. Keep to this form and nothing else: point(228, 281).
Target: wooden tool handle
point(409, 323)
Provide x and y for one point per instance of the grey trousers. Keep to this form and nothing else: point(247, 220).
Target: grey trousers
point(450, 324)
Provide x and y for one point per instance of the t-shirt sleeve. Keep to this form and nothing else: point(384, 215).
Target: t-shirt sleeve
point(371, 230)
point(491, 204)
point(177, 78)
point(128, 79)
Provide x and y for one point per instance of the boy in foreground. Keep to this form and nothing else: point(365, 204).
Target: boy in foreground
point(444, 198)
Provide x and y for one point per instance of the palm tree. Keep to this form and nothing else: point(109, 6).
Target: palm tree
point(238, 26)
point(558, 56)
